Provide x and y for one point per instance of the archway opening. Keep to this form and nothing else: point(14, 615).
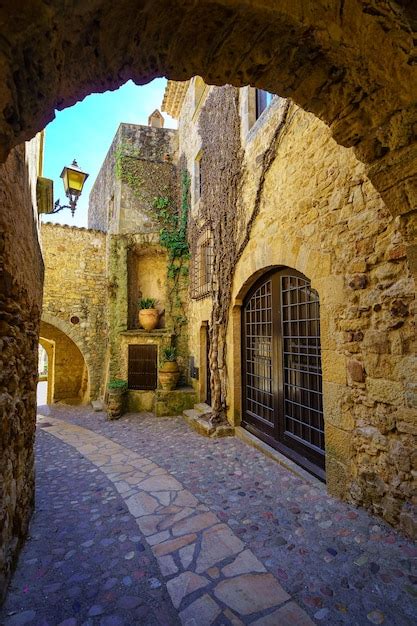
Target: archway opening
point(67, 377)
point(325, 60)
point(42, 387)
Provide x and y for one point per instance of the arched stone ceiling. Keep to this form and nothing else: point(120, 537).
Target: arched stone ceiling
point(351, 62)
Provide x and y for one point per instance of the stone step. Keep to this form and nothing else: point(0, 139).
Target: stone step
point(195, 419)
point(202, 407)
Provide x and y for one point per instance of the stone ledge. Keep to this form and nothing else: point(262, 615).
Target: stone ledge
point(158, 332)
point(196, 420)
point(57, 225)
point(263, 447)
point(173, 403)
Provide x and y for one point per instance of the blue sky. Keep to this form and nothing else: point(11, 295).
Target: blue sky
point(85, 131)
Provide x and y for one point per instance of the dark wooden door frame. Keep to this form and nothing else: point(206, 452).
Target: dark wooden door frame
point(311, 460)
point(208, 375)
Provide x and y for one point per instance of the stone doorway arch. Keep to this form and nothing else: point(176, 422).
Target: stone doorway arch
point(282, 397)
point(68, 372)
point(328, 60)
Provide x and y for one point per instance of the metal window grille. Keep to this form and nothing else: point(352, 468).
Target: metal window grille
point(202, 262)
point(258, 354)
point(303, 411)
point(142, 367)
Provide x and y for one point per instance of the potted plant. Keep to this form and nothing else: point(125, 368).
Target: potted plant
point(116, 395)
point(148, 314)
point(168, 372)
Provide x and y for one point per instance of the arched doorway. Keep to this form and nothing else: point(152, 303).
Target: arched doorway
point(281, 367)
point(68, 379)
point(44, 391)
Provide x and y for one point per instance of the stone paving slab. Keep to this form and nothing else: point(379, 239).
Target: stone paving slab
point(340, 565)
point(85, 561)
point(172, 527)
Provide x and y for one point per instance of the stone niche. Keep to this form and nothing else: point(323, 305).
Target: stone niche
point(146, 270)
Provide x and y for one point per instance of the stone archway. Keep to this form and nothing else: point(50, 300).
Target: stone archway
point(328, 60)
point(68, 378)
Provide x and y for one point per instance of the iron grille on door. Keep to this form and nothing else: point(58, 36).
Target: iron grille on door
point(282, 393)
point(142, 367)
point(258, 355)
point(300, 317)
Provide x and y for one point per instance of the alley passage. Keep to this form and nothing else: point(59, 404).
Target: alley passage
point(142, 521)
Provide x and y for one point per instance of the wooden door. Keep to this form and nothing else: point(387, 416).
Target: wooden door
point(282, 381)
point(142, 367)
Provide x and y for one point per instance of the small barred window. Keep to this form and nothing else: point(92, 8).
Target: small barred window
point(201, 265)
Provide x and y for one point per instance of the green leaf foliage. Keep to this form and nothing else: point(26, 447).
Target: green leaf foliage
point(146, 303)
point(117, 383)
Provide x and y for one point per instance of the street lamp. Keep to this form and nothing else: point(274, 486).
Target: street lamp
point(73, 179)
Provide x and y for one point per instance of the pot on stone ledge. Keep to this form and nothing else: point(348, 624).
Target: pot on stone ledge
point(149, 318)
point(148, 315)
point(169, 375)
point(116, 398)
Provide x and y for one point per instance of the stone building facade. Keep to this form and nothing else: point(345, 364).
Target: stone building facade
point(94, 278)
point(312, 211)
point(139, 167)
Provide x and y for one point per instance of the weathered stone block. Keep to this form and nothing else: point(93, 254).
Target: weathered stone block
point(338, 443)
point(334, 367)
point(408, 519)
point(358, 281)
point(400, 456)
point(356, 371)
point(370, 439)
point(387, 391)
point(331, 290)
point(174, 402)
point(338, 406)
point(337, 477)
point(140, 401)
point(376, 341)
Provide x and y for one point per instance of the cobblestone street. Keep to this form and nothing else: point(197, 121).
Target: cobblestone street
point(142, 521)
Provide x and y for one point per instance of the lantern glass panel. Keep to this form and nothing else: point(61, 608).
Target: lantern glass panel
point(75, 181)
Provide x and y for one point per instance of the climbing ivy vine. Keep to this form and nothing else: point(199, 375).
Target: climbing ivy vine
point(173, 237)
point(223, 211)
point(126, 167)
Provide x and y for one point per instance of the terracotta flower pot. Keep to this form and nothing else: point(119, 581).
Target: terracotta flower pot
point(116, 400)
point(148, 318)
point(169, 375)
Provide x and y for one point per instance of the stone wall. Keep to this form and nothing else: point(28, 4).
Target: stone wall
point(148, 152)
point(75, 295)
point(320, 215)
point(199, 311)
point(21, 277)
